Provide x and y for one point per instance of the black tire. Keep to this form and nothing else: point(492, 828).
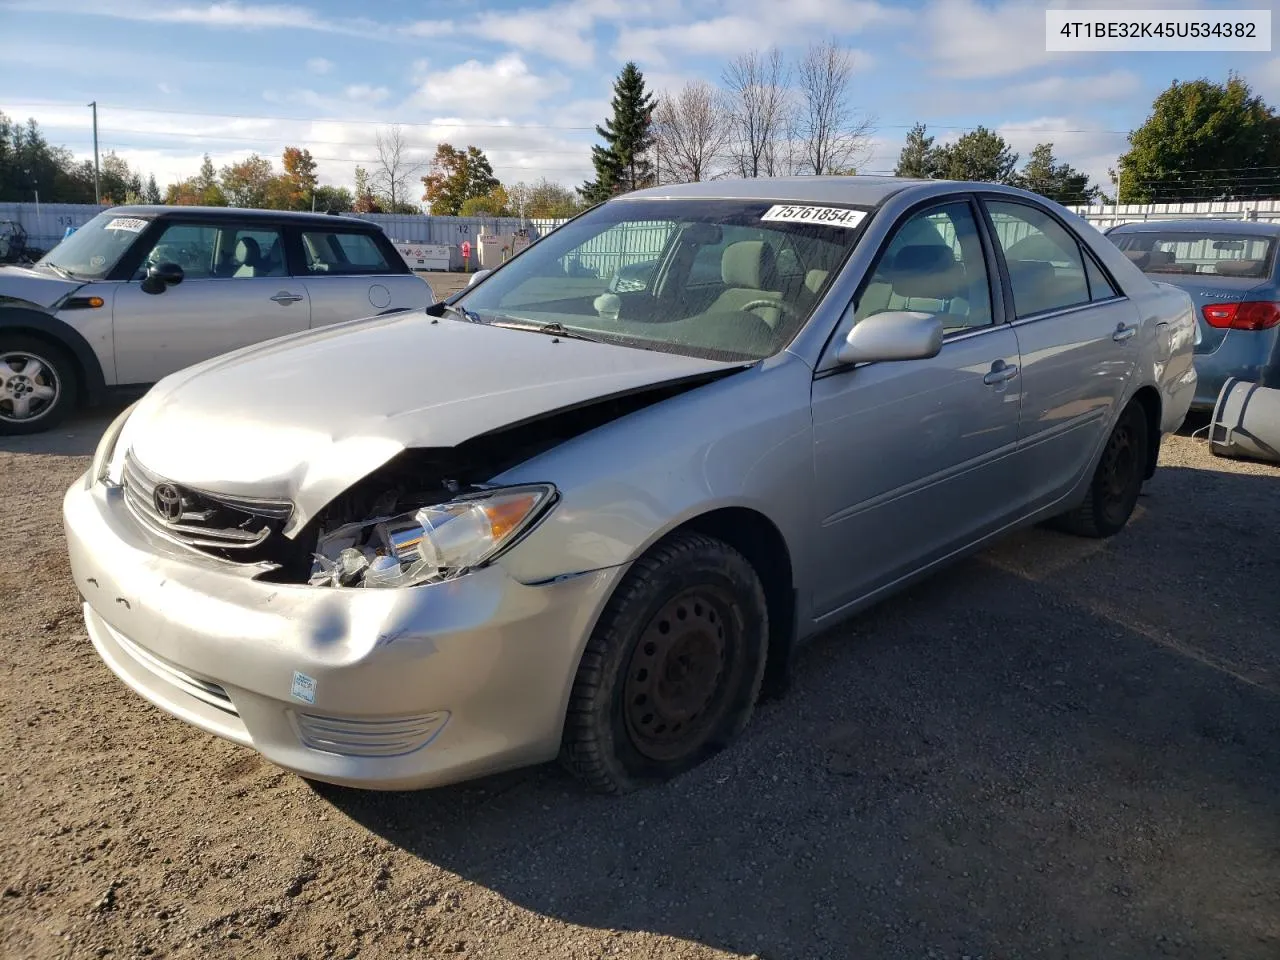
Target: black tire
point(1117, 481)
point(672, 671)
point(56, 369)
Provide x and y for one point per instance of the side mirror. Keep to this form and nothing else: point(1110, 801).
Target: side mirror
point(478, 276)
point(895, 335)
point(161, 276)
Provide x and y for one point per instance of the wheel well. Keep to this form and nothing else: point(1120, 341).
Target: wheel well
point(754, 536)
point(1148, 398)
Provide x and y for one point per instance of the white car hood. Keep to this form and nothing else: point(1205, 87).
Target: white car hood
point(43, 288)
point(304, 417)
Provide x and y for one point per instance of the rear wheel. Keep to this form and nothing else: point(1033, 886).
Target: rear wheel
point(1117, 481)
point(671, 673)
point(37, 385)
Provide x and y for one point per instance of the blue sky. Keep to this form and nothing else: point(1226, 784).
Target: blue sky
point(527, 80)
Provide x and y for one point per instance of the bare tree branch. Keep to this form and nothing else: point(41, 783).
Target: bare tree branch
point(758, 102)
point(394, 167)
point(832, 137)
point(691, 129)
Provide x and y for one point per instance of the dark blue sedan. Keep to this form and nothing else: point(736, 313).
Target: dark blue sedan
point(1230, 269)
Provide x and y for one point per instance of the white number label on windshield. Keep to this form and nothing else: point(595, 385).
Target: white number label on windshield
point(132, 224)
point(830, 216)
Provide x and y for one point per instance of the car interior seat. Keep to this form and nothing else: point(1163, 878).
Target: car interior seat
point(928, 278)
point(749, 271)
point(249, 256)
point(1239, 268)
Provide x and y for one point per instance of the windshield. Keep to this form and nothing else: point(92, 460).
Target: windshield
point(723, 279)
point(1215, 254)
point(91, 252)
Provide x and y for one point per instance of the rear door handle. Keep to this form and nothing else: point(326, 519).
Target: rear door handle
point(1000, 372)
point(284, 297)
point(1124, 333)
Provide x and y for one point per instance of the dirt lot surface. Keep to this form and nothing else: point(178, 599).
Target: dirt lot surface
point(1057, 749)
point(444, 284)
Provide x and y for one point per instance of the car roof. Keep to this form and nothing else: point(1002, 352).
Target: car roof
point(868, 191)
point(1249, 228)
point(241, 214)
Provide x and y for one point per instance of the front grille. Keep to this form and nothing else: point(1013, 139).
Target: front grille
point(368, 738)
point(203, 690)
point(209, 522)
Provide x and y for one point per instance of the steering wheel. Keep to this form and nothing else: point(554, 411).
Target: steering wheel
point(780, 305)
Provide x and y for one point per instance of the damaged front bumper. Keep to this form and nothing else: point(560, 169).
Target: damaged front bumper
point(384, 689)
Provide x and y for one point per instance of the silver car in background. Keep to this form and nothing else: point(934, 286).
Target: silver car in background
point(561, 515)
point(139, 292)
point(1231, 270)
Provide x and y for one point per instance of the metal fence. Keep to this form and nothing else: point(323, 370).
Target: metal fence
point(1103, 216)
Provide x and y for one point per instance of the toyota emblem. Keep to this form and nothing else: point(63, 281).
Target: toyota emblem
point(168, 502)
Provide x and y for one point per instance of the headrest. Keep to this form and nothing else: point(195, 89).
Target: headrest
point(926, 270)
point(747, 263)
point(814, 279)
point(1239, 268)
point(1159, 257)
point(1139, 258)
point(247, 251)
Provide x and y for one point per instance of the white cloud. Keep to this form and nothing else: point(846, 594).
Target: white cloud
point(1265, 80)
point(227, 14)
point(969, 39)
point(1116, 85)
point(506, 87)
point(740, 27)
point(319, 66)
point(365, 93)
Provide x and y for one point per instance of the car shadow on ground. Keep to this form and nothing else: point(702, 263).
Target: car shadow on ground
point(77, 436)
point(1058, 748)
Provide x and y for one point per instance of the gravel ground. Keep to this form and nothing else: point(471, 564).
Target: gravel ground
point(1059, 748)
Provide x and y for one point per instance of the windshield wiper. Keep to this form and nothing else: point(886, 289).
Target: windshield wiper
point(60, 271)
point(553, 328)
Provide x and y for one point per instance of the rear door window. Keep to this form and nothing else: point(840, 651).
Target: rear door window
point(338, 252)
point(1045, 263)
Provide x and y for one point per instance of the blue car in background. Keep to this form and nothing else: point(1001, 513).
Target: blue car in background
point(1230, 269)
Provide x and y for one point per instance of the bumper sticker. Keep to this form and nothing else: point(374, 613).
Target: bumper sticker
point(829, 216)
point(304, 687)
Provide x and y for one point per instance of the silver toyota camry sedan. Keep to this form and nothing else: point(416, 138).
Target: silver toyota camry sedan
point(563, 515)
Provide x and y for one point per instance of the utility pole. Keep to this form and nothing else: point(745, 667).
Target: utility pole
point(97, 189)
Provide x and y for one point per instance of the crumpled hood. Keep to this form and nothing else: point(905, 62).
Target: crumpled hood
point(40, 287)
point(306, 416)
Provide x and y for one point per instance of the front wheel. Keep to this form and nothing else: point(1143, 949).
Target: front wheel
point(672, 671)
point(37, 385)
point(1117, 481)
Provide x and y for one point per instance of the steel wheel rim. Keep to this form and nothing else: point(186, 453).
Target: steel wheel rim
point(29, 386)
point(674, 692)
point(1118, 466)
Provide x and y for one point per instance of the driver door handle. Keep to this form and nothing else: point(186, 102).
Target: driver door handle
point(284, 297)
point(1124, 333)
point(1000, 372)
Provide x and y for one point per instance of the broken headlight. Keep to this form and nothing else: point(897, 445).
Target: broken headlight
point(432, 543)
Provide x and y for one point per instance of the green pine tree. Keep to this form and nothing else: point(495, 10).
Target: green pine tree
point(621, 163)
